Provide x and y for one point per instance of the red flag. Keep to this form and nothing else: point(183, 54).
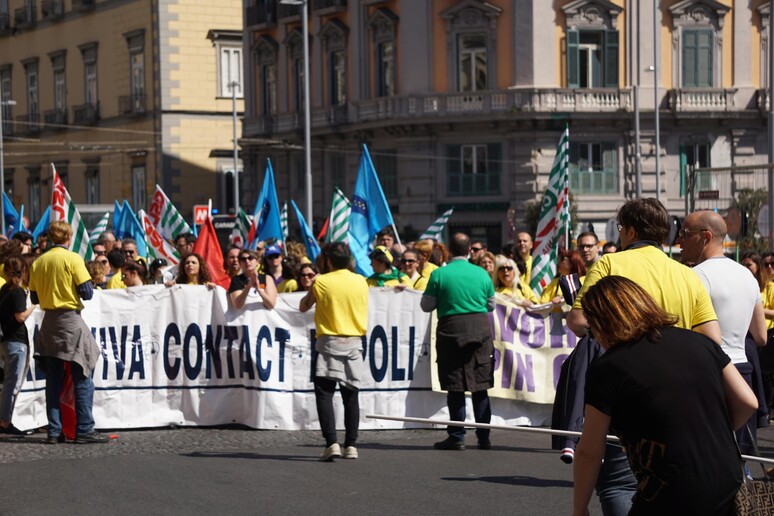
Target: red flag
point(208, 247)
point(67, 404)
point(324, 230)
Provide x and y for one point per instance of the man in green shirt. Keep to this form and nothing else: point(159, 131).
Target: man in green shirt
point(463, 294)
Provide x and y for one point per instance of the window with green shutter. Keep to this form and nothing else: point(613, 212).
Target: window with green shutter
point(592, 59)
point(473, 169)
point(593, 168)
point(697, 58)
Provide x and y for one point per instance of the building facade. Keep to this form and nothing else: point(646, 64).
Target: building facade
point(120, 95)
point(462, 102)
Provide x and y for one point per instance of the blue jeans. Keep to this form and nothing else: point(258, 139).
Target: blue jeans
point(14, 355)
point(84, 397)
point(616, 484)
point(482, 412)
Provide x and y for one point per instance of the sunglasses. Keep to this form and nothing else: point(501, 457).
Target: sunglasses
point(476, 249)
point(100, 253)
point(272, 256)
point(308, 275)
point(768, 264)
point(505, 268)
point(128, 251)
point(246, 258)
point(405, 260)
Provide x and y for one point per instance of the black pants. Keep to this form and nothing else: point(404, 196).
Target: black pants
point(482, 412)
point(323, 393)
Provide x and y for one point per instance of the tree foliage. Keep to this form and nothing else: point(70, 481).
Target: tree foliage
point(750, 202)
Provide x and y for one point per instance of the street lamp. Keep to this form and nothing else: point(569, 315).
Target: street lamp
point(656, 40)
point(307, 106)
point(3, 103)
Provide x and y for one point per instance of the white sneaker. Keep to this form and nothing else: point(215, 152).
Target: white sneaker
point(350, 452)
point(331, 452)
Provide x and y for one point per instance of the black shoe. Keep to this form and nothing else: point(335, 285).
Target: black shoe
point(55, 439)
point(450, 443)
point(92, 438)
point(485, 445)
point(12, 431)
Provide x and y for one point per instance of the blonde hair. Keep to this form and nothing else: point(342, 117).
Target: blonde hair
point(60, 232)
point(623, 311)
point(500, 261)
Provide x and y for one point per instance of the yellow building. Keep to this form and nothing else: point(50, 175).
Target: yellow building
point(120, 95)
point(462, 102)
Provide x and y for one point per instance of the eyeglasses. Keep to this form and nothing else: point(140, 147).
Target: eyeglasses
point(308, 275)
point(100, 253)
point(505, 268)
point(619, 226)
point(407, 260)
point(685, 232)
point(246, 258)
point(272, 257)
point(586, 246)
point(768, 264)
point(476, 249)
point(129, 251)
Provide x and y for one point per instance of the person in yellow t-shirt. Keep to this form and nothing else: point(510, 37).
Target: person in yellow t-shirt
point(341, 320)
point(410, 266)
point(508, 285)
point(385, 274)
point(58, 282)
point(425, 250)
point(524, 246)
point(570, 262)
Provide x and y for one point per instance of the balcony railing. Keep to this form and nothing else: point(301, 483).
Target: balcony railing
point(264, 12)
point(28, 124)
point(335, 115)
point(86, 113)
point(24, 17)
point(83, 5)
point(288, 11)
point(702, 99)
point(55, 117)
point(131, 104)
point(52, 9)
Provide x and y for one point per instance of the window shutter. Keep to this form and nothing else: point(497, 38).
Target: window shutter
point(683, 167)
point(611, 59)
point(573, 59)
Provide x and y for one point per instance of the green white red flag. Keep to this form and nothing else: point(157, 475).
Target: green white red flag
point(338, 222)
point(241, 229)
point(63, 208)
point(157, 246)
point(435, 231)
point(554, 217)
point(165, 217)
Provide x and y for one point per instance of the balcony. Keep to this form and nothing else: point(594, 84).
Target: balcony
point(698, 100)
point(335, 115)
point(28, 124)
point(55, 117)
point(323, 7)
point(24, 17)
point(131, 104)
point(288, 11)
point(86, 113)
point(263, 13)
point(83, 5)
point(52, 9)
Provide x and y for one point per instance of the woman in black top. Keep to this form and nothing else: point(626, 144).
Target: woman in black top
point(673, 398)
point(14, 347)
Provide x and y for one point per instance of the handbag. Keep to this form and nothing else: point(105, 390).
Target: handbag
point(755, 497)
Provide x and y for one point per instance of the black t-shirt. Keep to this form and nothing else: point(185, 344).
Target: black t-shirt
point(240, 281)
point(667, 404)
point(12, 301)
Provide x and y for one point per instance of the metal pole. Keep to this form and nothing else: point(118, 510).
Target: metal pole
point(2, 173)
point(771, 126)
point(637, 153)
point(307, 118)
point(236, 150)
point(656, 97)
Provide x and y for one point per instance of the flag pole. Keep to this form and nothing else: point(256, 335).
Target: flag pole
point(397, 236)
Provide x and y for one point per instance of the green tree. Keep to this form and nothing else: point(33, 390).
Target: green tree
point(750, 202)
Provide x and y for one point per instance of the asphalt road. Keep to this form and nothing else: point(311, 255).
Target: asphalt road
point(236, 471)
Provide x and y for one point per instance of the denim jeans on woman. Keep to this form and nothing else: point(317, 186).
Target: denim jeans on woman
point(14, 355)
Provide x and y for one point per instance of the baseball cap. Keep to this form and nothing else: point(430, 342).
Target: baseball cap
point(380, 250)
point(273, 250)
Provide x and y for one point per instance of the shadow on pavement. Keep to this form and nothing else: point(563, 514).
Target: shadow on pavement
point(253, 456)
point(514, 481)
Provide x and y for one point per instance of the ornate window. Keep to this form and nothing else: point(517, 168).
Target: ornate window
point(383, 27)
point(295, 44)
point(593, 168)
point(265, 51)
point(471, 44)
point(592, 44)
point(697, 42)
point(334, 38)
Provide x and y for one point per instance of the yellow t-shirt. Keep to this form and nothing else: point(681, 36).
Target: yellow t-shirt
point(552, 290)
point(521, 292)
point(526, 276)
point(429, 267)
point(675, 287)
point(768, 302)
point(116, 281)
point(342, 304)
point(420, 283)
point(55, 276)
point(287, 285)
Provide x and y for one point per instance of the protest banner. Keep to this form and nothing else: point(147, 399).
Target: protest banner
point(182, 356)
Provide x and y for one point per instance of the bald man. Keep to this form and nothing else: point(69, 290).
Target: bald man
point(735, 296)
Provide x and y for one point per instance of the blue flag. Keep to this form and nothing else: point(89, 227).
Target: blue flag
point(266, 216)
point(370, 213)
point(43, 223)
point(118, 220)
point(11, 216)
point(312, 247)
point(131, 228)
